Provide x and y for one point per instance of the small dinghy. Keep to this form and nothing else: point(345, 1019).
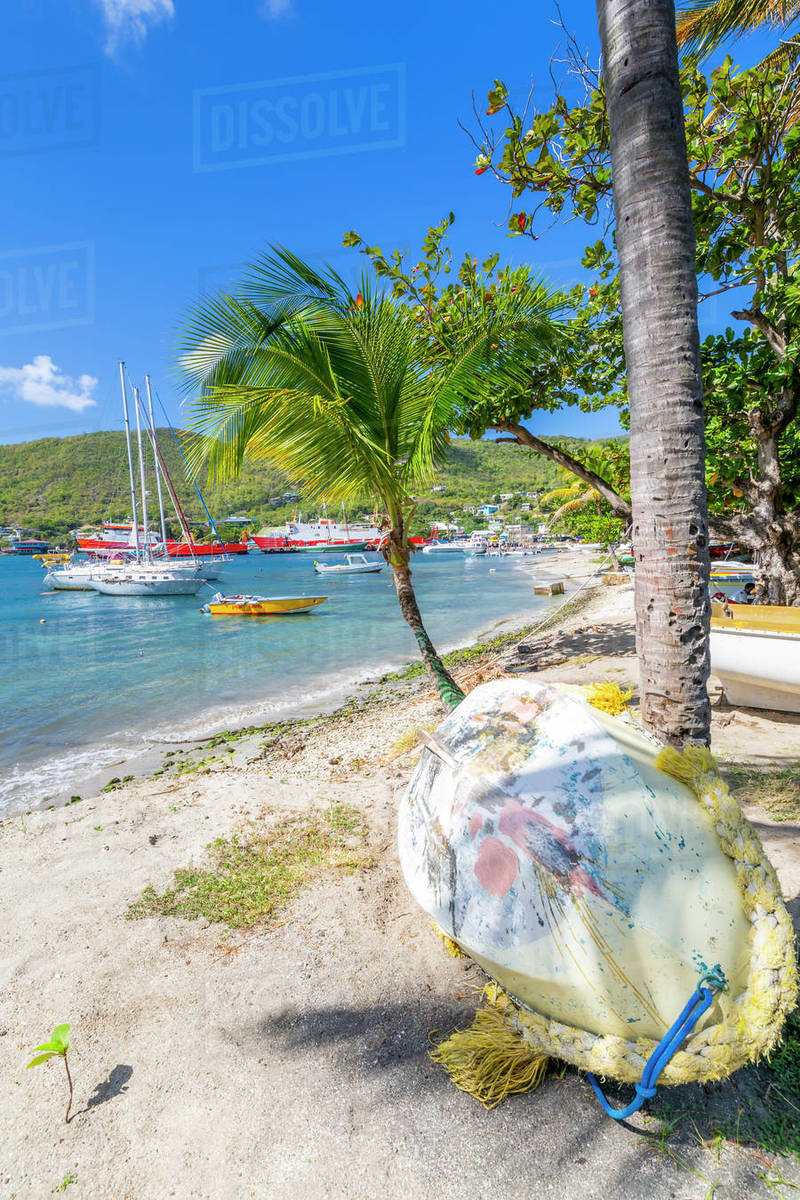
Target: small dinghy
point(595, 888)
point(354, 564)
point(259, 606)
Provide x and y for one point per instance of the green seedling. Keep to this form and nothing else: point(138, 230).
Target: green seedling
point(56, 1047)
point(65, 1183)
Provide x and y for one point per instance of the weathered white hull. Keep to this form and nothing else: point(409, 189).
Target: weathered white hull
point(153, 586)
point(758, 668)
point(539, 834)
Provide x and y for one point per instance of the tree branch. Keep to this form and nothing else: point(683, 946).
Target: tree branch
point(619, 506)
point(765, 326)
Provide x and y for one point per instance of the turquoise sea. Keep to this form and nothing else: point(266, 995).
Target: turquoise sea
point(105, 677)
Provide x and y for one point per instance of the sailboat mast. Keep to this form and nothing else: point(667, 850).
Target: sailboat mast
point(130, 457)
point(141, 472)
point(346, 526)
point(158, 466)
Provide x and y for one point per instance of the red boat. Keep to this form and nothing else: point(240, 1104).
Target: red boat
point(118, 537)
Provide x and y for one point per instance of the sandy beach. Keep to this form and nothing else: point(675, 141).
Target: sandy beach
point(290, 1060)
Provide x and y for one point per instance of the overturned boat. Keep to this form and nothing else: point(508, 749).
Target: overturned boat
point(600, 882)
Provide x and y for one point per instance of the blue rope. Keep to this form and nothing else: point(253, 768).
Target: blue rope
point(699, 1003)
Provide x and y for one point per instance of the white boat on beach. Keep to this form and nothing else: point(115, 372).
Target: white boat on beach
point(755, 652)
point(354, 564)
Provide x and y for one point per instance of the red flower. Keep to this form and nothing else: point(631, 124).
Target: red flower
point(521, 219)
point(592, 291)
point(480, 170)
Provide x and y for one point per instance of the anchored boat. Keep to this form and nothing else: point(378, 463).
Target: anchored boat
point(354, 564)
point(259, 606)
point(141, 582)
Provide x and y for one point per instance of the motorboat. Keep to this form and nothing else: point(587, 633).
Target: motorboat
point(259, 606)
point(439, 547)
point(354, 564)
point(755, 653)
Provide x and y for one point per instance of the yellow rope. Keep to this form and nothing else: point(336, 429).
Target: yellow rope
point(452, 948)
point(609, 697)
point(486, 1060)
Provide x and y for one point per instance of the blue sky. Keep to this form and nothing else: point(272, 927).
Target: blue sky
point(150, 146)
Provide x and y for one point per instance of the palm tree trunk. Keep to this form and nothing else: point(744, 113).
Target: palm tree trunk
point(397, 555)
point(656, 245)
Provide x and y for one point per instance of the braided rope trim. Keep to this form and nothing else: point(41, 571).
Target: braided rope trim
point(752, 1023)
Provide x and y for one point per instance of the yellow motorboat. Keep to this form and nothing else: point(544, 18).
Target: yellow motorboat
point(259, 606)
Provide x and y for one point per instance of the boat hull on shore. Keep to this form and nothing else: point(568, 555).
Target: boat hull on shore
point(538, 833)
point(755, 652)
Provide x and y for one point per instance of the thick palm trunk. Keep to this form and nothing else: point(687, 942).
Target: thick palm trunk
point(655, 241)
point(397, 555)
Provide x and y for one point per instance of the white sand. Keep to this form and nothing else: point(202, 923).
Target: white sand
point(291, 1062)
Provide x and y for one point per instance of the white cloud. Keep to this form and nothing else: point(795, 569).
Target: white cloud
point(273, 10)
point(43, 384)
point(131, 19)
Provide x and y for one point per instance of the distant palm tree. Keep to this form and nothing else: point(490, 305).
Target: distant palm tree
point(335, 388)
point(705, 25)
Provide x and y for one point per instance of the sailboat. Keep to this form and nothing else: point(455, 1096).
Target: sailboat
point(145, 576)
point(123, 537)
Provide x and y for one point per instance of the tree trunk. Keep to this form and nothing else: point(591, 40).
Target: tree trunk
point(396, 552)
point(656, 245)
point(618, 504)
point(773, 531)
point(779, 569)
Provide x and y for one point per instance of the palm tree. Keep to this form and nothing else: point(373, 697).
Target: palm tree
point(656, 245)
point(336, 388)
point(705, 25)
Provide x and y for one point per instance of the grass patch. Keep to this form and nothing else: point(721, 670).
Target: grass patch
point(251, 876)
point(403, 744)
point(775, 789)
point(759, 1106)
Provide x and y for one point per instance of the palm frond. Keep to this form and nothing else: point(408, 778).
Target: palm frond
point(578, 502)
point(705, 25)
point(337, 389)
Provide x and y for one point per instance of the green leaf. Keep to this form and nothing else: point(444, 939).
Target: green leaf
point(60, 1037)
point(40, 1058)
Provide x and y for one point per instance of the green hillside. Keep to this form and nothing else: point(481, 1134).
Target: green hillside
point(57, 484)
